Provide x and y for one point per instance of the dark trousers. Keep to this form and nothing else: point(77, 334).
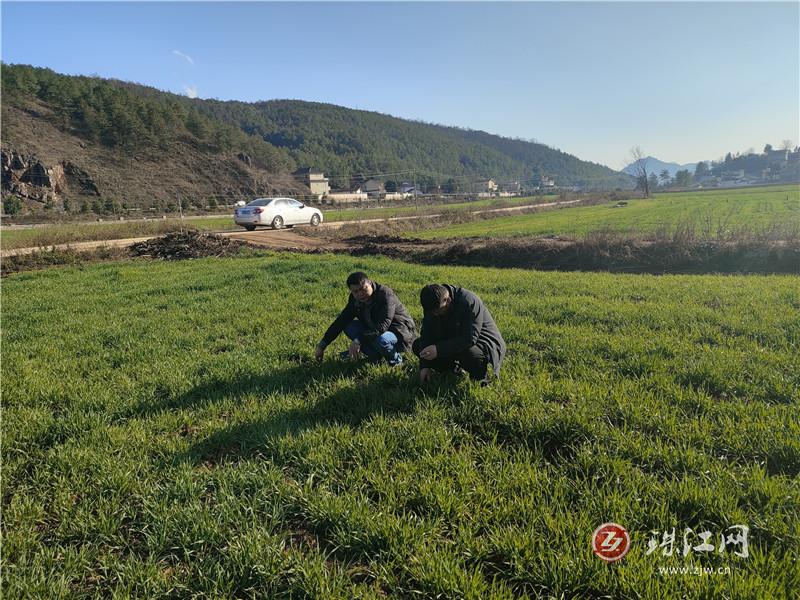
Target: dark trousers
point(472, 360)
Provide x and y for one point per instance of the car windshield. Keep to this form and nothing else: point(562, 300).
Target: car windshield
point(260, 202)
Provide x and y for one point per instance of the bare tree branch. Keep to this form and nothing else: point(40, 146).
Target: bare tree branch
point(640, 169)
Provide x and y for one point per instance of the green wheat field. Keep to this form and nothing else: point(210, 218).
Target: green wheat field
point(709, 213)
point(166, 434)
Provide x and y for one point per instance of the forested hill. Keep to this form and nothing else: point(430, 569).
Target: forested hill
point(347, 143)
point(145, 146)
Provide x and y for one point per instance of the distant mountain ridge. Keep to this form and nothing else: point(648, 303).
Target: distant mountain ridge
point(782, 165)
point(655, 165)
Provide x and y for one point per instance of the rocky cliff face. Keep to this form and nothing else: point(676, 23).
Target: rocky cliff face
point(37, 184)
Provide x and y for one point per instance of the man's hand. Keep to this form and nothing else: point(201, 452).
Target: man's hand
point(429, 353)
point(319, 352)
point(354, 349)
point(425, 375)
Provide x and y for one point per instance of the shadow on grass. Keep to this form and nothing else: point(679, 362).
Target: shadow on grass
point(384, 392)
point(296, 379)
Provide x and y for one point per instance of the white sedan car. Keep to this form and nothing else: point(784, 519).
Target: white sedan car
point(276, 213)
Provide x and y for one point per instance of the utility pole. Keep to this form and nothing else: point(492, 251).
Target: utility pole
point(416, 207)
point(180, 210)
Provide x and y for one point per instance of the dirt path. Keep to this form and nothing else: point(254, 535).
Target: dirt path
point(77, 246)
point(485, 211)
point(285, 240)
point(281, 239)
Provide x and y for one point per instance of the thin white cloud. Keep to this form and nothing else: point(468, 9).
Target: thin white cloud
point(191, 90)
point(184, 56)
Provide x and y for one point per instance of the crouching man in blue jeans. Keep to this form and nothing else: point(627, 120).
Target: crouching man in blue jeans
point(375, 320)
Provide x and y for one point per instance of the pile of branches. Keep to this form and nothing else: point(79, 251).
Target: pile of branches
point(181, 245)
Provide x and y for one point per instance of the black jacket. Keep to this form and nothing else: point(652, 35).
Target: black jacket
point(381, 313)
point(466, 324)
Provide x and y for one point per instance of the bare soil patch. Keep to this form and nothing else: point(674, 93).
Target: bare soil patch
point(186, 244)
point(283, 239)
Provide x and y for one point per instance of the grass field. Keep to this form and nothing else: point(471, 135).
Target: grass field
point(165, 434)
point(111, 230)
point(711, 212)
point(350, 214)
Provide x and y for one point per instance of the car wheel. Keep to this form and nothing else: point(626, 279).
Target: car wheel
point(277, 223)
point(249, 227)
point(315, 220)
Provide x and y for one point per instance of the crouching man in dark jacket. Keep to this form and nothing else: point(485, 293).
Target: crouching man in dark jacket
point(457, 331)
point(374, 319)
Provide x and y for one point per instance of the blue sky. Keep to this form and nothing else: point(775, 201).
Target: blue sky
point(685, 81)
